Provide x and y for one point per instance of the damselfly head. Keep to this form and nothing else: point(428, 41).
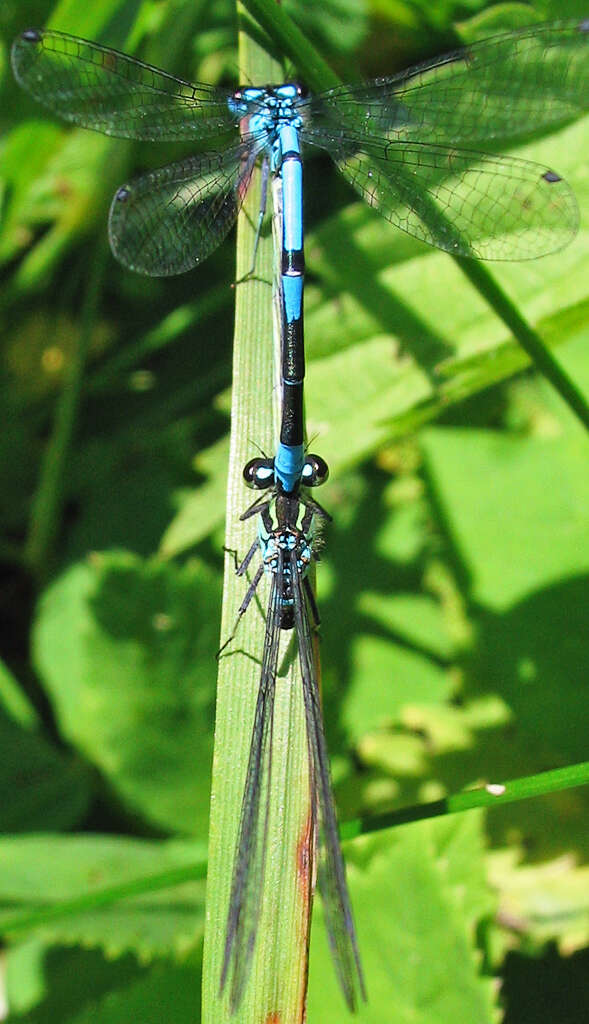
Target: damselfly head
point(315, 471)
point(259, 473)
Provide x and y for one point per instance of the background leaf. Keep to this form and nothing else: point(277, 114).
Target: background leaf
point(422, 895)
point(125, 654)
point(43, 871)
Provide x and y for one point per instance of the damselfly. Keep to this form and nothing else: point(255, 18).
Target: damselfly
point(397, 140)
point(402, 142)
point(287, 540)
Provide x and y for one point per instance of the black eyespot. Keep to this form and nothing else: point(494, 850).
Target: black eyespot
point(315, 471)
point(551, 177)
point(259, 473)
point(122, 194)
point(31, 35)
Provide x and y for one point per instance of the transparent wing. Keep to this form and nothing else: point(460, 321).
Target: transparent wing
point(250, 856)
point(507, 85)
point(169, 220)
point(331, 872)
point(470, 204)
point(113, 93)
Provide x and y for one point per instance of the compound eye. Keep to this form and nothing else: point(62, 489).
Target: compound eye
point(315, 471)
point(259, 473)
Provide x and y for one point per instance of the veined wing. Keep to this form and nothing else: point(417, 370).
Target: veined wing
point(110, 92)
point(506, 85)
point(250, 856)
point(331, 871)
point(168, 220)
point(467, 203)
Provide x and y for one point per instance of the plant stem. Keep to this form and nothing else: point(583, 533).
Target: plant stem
point(48, 501)
point(490, 795)
point(278, 974)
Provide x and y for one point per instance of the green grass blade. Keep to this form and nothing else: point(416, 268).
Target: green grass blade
point(293, 44)
point(277, 982)
point(528, 338)
point(108, 895)
point(489, 795)
point(48, 501)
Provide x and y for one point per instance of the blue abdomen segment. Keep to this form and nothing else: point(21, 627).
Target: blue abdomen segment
point(288, 465)
point(292, 184)
point(292, 189)
point(292, 294)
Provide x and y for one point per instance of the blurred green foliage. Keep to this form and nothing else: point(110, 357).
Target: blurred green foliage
point(453, 586)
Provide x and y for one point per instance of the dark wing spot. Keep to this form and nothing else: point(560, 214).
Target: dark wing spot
point(31, 35)
point(551, 176)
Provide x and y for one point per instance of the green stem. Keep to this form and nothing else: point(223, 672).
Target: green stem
point(49, 499)
point(10, 927)
point(491, 795)
point(279, 961)
point(318, 76)
point(292, 43)
point(528, 338)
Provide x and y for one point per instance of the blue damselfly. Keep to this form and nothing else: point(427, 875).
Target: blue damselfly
point(401, 141)
point(289, 527)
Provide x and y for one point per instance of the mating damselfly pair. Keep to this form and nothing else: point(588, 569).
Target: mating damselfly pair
point(403, 142)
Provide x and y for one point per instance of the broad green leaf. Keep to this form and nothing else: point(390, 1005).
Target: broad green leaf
point(418, 898)
point(516, 512)
point(166, 992)
point(126, 651)
point(534, 654)
point(386, 647)
point(43, 871)
point(517, 508)
point(503, 17)
point(82, 986)
point(48, 983)
point(395, 338)
point(385, 678)
point(131, 475)
point(418, 618)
